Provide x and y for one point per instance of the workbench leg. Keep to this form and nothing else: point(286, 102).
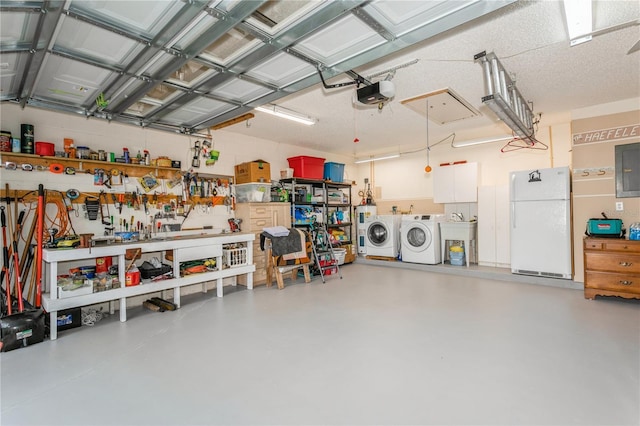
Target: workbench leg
point(53, 325)
point(250, 281)
point(219, 287)
point(123, 309)
point(176, 296)
point(112, 307)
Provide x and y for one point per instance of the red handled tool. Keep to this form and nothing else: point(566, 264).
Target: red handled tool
point(16, 261)
point(5, 257)
point(40, 230)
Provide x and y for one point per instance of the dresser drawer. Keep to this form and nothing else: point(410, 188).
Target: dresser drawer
point(623, 283)
point(256, 211)
point(612, 262)
point(256, 224)
point(623, 246)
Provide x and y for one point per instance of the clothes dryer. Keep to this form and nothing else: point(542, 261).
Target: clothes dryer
point(420, 238)
point(383, 236)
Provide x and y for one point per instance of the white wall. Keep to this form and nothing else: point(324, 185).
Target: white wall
point(112, 137)
point(405, 177)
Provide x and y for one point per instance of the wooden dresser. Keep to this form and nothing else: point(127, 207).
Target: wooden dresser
point(612, 268)
point(255, 217)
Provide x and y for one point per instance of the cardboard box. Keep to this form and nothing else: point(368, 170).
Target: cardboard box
point(255, 171)
point(351, 253)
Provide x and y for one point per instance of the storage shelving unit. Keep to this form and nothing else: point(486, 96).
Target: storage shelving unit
point(330, 203)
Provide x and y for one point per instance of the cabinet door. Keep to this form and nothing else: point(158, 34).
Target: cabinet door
point(443, 184)
point(503, 240)
point(487, 226)
point(282, 215)
point(465, 182)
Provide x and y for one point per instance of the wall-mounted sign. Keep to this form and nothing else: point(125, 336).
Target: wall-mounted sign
point(603, 135)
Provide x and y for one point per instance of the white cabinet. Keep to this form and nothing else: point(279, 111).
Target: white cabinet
point(493, 226)
point(457, 183)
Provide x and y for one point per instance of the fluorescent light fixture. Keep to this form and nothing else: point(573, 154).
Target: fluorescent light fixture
point(281, 112)
point(579, 20)
point(369, 160)
point(480, 141)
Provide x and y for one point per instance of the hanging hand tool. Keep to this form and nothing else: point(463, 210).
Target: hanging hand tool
point(120, 202)
point(5, 260)
point(145, 200)
point(16, 264)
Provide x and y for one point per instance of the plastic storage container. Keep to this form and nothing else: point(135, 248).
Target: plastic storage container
point(306, 167)
point(456, 255)
point(340, 254)
point(334, 171)
point(253, 192)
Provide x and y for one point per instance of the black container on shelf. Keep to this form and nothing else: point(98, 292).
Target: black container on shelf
point(27, 139)
point(147, 270)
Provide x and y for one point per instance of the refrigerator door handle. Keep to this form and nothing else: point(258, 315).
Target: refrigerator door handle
point(513, 215)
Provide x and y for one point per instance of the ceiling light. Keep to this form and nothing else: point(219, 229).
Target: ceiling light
point(504, 99)
point(281, 112)
point(472, 142)
point(579, 20)
point(368, 160)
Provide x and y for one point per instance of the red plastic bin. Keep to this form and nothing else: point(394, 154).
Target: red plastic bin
point(306, 167)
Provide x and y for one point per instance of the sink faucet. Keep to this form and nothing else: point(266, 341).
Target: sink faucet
point(459, 217)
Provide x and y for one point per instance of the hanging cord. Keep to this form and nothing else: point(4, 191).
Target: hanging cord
point(61, 220)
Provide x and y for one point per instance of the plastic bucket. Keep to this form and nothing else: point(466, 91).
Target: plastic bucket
point(456, 255)
point(340, 254)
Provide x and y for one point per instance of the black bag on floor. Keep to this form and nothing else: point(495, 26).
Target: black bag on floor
point(22, 329)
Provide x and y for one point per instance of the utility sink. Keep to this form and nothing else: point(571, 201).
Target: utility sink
point(459, 231)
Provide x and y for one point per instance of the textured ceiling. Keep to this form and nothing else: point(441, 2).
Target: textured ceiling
point(186, 66)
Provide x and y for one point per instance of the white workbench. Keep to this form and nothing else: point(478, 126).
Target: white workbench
point(184, 248)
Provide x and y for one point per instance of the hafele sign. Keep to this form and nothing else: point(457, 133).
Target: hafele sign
point(603, 135)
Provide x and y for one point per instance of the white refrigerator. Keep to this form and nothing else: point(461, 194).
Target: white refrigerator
point(541, 222)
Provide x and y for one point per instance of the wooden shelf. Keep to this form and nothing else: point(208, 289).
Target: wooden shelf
point(88, 166)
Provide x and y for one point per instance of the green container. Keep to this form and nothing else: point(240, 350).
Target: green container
point(27, 139)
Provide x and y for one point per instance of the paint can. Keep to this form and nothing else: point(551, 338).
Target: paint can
point(132, 277)
point(103, 264)
point(5, 141)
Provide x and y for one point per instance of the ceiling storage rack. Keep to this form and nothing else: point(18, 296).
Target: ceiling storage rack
point(323, 201)
point(187, 66)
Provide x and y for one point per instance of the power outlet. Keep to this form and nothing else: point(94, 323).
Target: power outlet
point(619, 206)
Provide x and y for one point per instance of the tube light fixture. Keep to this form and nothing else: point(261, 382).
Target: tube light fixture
point(472, 142)
point(579, 20)
point(281, 112)
point(385, 157)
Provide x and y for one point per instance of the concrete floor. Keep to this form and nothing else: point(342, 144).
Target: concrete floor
point(385, 345)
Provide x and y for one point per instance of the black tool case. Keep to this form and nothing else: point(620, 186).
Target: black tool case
point(147, 270)
point(22, 329)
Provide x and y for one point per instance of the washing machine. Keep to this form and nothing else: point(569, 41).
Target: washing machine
point(383, 235)
point(420, 238)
